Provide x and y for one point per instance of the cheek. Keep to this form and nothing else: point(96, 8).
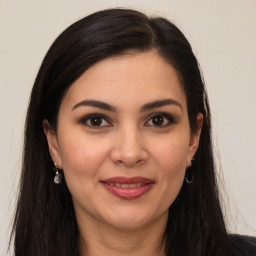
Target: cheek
point(171, 153)
point(170, 157)
point(81, 158)
point(172, 165)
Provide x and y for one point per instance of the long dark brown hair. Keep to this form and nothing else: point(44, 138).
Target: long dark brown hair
point(45, 222)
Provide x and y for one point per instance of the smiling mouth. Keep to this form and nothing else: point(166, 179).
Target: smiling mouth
point(134, 185)
point(128, 188)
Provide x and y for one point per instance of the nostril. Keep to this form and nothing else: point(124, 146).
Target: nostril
point(129, 161)
point(141, 161)
point(119, 162)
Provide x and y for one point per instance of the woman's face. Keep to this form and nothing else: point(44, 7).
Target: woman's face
point(124, 141)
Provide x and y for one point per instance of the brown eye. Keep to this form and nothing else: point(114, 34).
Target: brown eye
point(157, 120)
point(95, 121)
point(160, 120)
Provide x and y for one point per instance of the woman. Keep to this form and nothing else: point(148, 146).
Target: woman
point(118, 155)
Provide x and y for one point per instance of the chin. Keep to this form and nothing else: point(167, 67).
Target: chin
point(134, 220)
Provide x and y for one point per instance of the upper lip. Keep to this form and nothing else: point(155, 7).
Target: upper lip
point(128, 180)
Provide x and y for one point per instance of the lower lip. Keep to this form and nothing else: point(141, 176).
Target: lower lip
point(128, 193)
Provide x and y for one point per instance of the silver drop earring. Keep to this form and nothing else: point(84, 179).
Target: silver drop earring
point(58, 176)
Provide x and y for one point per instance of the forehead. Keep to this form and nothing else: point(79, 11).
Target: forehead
point(132, 78)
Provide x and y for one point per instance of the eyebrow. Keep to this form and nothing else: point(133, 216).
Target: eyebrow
point(95, 103)
point(160, 103)
point(146, 107)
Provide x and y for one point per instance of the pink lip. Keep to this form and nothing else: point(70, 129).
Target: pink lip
point(128, 193)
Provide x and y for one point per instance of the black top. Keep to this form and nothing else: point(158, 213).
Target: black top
point(244, 245)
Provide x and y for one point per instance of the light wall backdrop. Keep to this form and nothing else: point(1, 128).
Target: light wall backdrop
point(223, 36)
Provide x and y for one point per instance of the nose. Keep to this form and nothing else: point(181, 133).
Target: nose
point(128, 149)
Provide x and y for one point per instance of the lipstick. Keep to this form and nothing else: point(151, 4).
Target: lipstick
point(128, 188)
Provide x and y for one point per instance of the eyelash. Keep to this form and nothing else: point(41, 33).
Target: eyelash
point(166, 117)
point(170, 119)
point(88, 118)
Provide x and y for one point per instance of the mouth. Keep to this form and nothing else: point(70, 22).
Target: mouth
point(128, 188)
point(134, 185)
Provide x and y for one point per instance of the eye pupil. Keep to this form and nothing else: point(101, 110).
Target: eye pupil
point(96, 121)
point(158, 120)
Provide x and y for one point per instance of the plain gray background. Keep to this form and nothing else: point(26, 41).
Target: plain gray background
point(222, 34)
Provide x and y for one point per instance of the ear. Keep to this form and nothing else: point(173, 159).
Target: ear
point(194, 138)
point(53, 144)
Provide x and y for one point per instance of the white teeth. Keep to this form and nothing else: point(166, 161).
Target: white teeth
point(134, 185)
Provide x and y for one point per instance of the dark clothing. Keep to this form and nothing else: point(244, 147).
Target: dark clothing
point(244, 245)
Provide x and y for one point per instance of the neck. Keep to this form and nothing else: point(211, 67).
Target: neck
point(99, 239)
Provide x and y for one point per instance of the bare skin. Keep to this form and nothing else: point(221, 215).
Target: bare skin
point(96, 241)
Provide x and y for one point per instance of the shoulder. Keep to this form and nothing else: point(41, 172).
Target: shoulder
point(244, 245)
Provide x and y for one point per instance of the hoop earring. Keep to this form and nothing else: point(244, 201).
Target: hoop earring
point(58, 177)
point(189, 176)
